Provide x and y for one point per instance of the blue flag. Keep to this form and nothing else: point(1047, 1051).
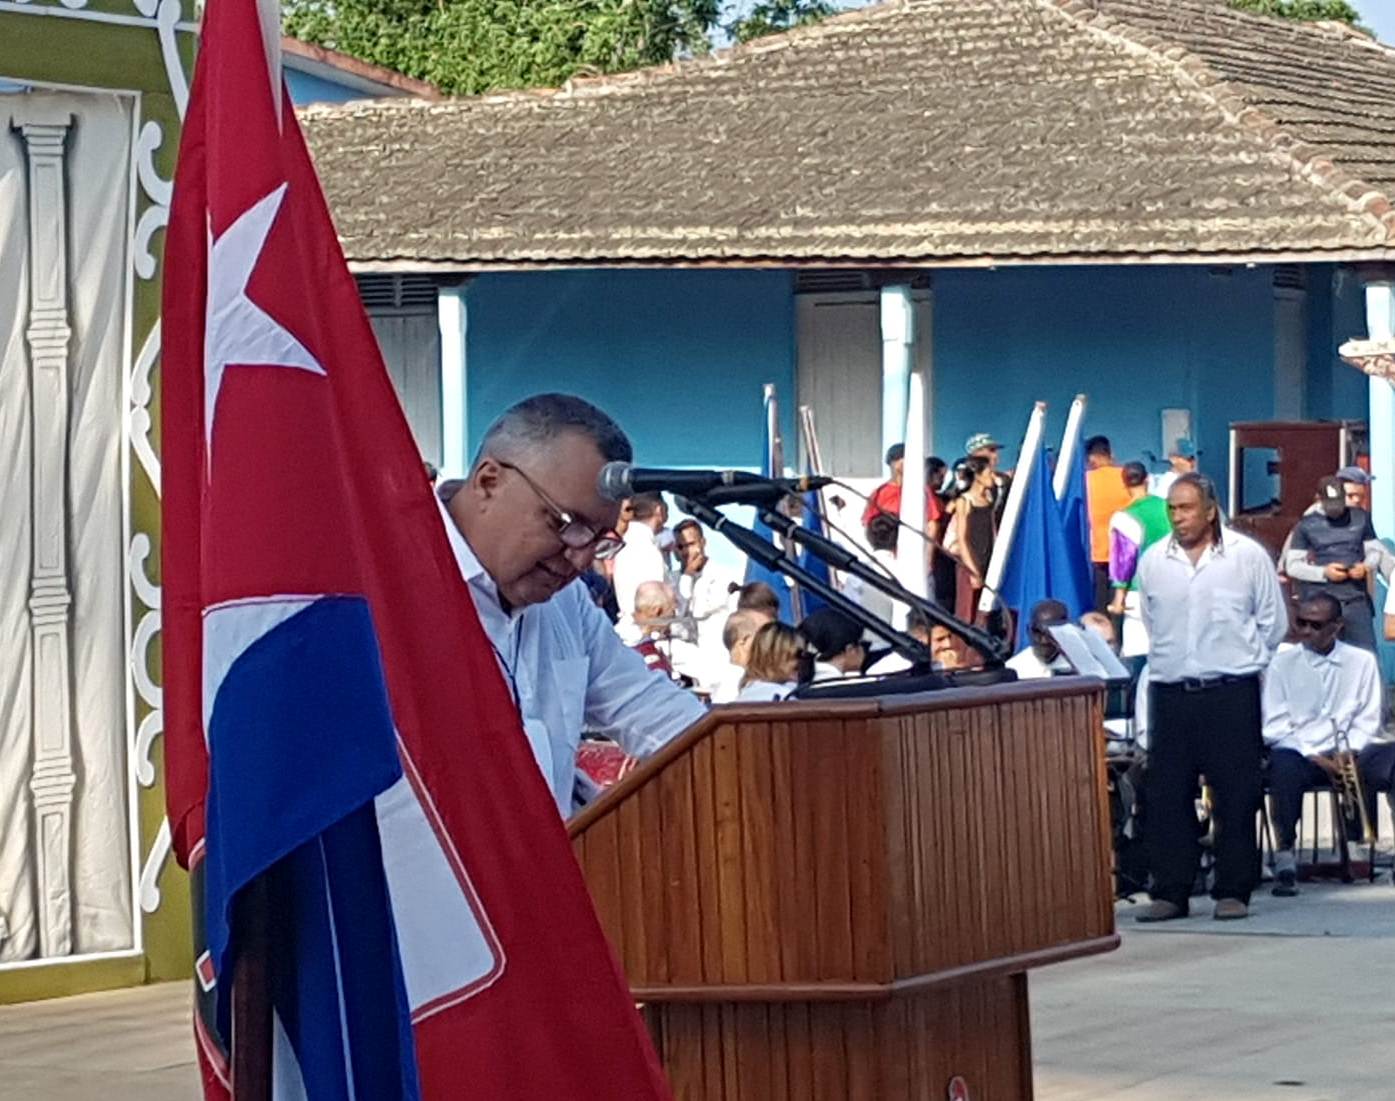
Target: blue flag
point(813, 521)
point(1075, 516)
point(1042, 563)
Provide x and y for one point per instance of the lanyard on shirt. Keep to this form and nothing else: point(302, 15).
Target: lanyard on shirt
point(508, 668)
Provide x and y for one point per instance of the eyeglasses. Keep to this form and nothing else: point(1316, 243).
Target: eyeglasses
point(574, 534)
point(1313, 624)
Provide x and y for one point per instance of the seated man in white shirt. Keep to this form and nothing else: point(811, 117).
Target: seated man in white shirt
point(1043, 657)
point(740, 628)
point(640, 559)
point(837, 644)
point(1312, 693)
point(524, 525)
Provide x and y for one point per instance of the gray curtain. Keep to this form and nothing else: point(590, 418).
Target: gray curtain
point(98, 228)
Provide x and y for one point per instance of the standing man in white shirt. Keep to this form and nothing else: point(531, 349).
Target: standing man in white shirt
point(705, 599)
point(524, 525)
point(1313, 692)
point(1215, 615)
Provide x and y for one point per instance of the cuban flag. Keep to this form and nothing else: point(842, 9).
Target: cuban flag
point(339, 734)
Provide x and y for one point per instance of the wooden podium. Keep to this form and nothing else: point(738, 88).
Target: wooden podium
point(841, 899)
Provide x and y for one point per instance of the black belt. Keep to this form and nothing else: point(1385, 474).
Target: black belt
point(1200, 684)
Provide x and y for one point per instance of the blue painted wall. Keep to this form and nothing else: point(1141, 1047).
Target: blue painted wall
point(677, 357)
point(306, 88)
point(1135, 340)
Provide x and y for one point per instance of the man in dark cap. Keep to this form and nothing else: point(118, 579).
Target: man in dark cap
point(1335, 551)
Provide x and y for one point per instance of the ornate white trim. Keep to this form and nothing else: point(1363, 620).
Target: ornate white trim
point(163, 16)
point(139, 425)
point(149, 890)
point(77, 10)
point(1373, 357)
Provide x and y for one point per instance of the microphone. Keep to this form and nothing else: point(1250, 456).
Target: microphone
point(620, 480)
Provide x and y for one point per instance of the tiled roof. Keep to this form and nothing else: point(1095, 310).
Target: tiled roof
point(913, 132)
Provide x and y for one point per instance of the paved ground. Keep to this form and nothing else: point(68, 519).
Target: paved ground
point(1294, 1005)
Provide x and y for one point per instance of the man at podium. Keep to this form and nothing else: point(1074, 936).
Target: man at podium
point(524, 525)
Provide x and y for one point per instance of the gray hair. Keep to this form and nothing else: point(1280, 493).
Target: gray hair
point(537, 421)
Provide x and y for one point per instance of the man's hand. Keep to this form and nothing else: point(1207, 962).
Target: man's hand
point(1357, 572)
point(1116, 606)
point(1334, 571)
point(1327, 763)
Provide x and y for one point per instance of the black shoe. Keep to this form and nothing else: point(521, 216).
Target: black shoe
point(1285, 884)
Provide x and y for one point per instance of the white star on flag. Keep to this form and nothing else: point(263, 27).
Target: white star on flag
point(238, 332)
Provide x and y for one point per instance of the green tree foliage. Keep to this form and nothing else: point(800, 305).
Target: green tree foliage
point(469, 46)
point(1338, 10)
point(773, 16)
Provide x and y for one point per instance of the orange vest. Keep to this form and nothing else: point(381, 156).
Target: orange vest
point(1105, 494)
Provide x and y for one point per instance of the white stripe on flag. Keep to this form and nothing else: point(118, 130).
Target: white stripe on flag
point(286, 1081)
point(345, 1042)
point(230, 628)
point(447, 948)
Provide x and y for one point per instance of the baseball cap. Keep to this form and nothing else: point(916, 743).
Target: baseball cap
point(1183, 449)
point(1330, 489)
point(1355, 475)
point(980, 441)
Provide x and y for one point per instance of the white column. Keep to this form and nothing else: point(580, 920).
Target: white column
point(451, 321)
point(52, 779)
point(1380, 329)
point(898, 339)
point(912, 565)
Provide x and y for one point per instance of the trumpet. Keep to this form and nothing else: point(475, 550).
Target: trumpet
point(1351, 798)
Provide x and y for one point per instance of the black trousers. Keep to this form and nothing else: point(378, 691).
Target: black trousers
point(1290, 775)
point(1213, 730)
point(1104, 592)
point(1359, 623)
point(1376, 766)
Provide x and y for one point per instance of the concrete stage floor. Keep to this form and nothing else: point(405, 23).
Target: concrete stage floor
point(1295, 1004)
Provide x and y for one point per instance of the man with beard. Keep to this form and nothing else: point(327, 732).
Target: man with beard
point(524, 526)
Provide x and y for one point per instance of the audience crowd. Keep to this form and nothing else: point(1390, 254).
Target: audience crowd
point(1247, 676)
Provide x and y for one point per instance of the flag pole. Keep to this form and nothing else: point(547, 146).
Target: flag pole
point(1069, 442)
point(1026, 461)
point(776, 461)
point(251, 1040)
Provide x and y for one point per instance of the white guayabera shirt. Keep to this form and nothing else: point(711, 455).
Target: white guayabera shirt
point(1308, 697)
point(570, 672)
point(1223, 616)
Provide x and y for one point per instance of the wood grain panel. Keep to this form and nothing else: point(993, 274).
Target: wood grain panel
point(902, 1050)
point(857, 849)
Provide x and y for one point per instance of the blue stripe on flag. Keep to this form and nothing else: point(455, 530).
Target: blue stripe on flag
point(337, 975)
point(301, 740)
